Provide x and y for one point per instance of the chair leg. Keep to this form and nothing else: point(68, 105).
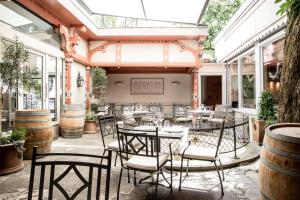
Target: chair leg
point(128, 175)
point(134, 172)
point(219, 177)
point(156, 185)
point(180, 177)
point(120, 178)
point(116, 158)
point(102, 155)
point(222, 169)
point(187, 167)
point(171, 185)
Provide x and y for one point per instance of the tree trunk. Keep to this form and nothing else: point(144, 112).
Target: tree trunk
point(1, 111)
point(289, 102)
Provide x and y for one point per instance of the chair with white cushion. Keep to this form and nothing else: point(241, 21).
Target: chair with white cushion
point(181, 114)
point(193, 152)
point(146, 158)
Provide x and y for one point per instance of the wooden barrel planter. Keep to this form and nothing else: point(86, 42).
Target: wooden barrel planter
point(279, 168)
point(72, 121)
point(39, 130)
point(11, 159)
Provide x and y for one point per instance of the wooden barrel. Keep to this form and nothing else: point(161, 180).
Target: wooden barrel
point(279, 167)
point(39, 130)
point(72, 121)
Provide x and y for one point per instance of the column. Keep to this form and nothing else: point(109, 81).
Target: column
point(195, 101)
point(88, 87)
point(68, 80)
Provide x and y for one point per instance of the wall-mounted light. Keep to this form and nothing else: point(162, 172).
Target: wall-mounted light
point(80, 80)
point(119, 83)
point(175, 83)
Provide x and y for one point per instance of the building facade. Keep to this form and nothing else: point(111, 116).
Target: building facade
point(251, 47)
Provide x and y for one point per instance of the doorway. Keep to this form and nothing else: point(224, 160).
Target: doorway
point(211, 90)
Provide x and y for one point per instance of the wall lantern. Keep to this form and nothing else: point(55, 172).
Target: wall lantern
point(79, 80)
point(175, 83)
point(119, 83)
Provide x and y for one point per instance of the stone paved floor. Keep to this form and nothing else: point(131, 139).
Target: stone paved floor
point(240, 182)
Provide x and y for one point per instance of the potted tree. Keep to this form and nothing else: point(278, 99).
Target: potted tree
point(90, 124)
point(12, 71)
point(266, 116)
point(11, 151)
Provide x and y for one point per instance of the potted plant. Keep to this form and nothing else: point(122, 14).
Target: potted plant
point(14, 73)
point(90, 124)
point(11, 151)
point(266, 116)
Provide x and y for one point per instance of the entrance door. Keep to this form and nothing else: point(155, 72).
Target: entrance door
point(212, 90)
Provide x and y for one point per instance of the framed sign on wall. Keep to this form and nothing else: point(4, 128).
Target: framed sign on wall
point(147, 86)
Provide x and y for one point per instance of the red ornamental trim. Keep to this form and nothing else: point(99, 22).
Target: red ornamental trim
point(87, 87)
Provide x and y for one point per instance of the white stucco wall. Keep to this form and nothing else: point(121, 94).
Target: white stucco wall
point(144, 52)
point(172, 93)
point(78, 94)
point(82, 48)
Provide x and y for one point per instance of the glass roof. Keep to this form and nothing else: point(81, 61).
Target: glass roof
point(144, 12)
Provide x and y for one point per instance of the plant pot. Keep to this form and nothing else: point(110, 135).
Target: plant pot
point(11, 159)
point(258, 130)
point(90, 127)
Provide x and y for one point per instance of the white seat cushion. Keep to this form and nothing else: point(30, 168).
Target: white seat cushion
point(146, 163)
point(217, 120)
point(115, 145)
point(182, 119)
point(200, 153)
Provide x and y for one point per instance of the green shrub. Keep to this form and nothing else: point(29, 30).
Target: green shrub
point(16, 134)
point(266, 110)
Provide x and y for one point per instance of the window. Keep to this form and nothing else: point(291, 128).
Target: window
point(272, 60)
point(248, 81)
point(32, 88)
point(52, 80)
point(233, 84)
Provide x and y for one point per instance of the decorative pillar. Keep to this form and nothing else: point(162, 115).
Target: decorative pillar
point(68, 80)
point(69, 38)
point(88, 87)
point(195, 101)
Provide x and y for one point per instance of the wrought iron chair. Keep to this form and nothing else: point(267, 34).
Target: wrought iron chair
point(84, 170)
point(154, 109)
point(108, 127)
point(180, 114)
point(193, 152)
point(146, 158)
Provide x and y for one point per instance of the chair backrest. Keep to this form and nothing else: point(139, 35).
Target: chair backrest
point(179, 110)
point(58, 166)
point(220, 137)
point(126, 108)
point(155, 108)
point(107, 126)
point(139, 142)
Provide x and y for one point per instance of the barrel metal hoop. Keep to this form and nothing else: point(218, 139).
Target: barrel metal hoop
point(282, 153)
point(38, 128)
point(72, 116)
point(31, 121)
point(279, 169)
point(28, 114)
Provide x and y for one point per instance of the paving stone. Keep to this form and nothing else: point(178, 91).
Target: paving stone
point(197, 186)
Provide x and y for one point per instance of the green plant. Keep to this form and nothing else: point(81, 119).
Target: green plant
point(266, 110)
point(13, 69)
point(17, 134)
point(90, 115)
point(99, 81)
